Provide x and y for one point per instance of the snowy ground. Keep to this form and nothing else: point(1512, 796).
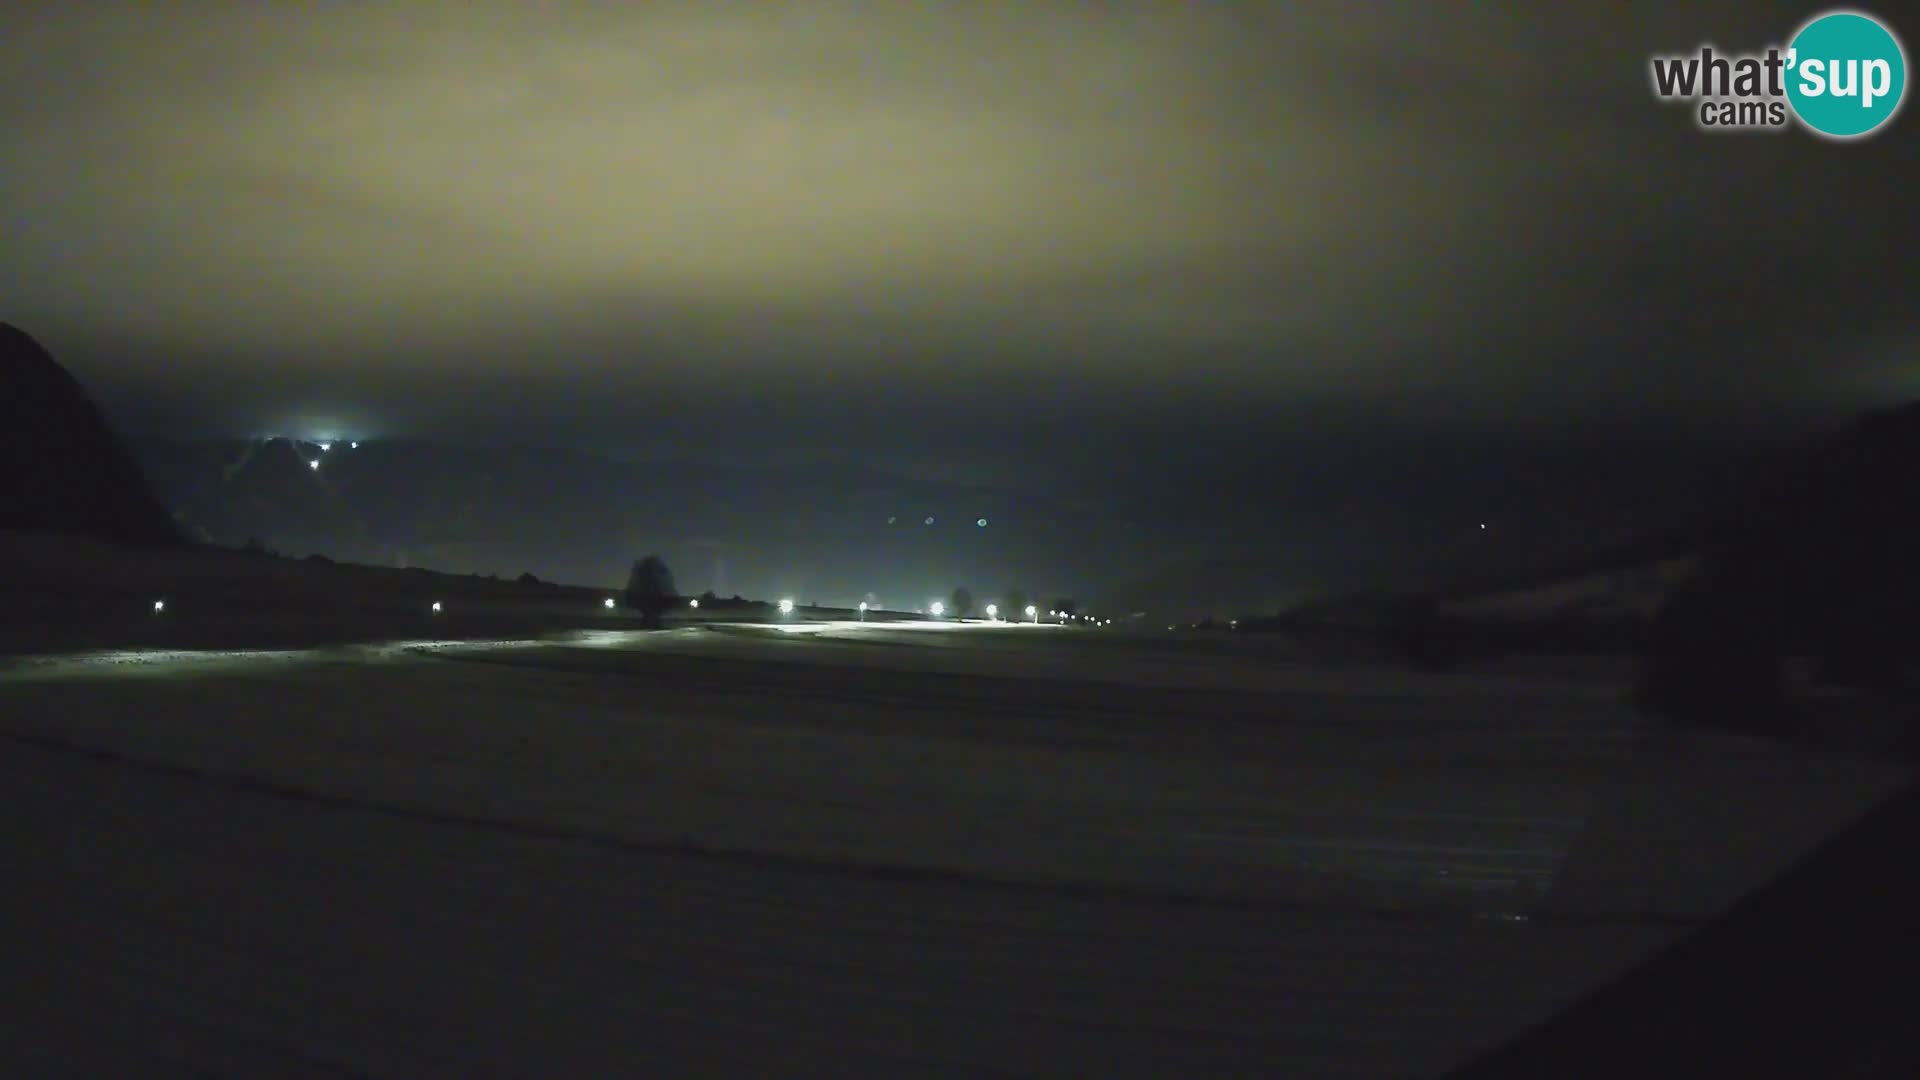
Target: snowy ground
point(845, 849)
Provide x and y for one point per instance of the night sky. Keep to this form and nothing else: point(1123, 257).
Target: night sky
point(1055, 245)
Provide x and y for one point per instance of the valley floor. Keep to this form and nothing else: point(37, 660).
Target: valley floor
point(834, 848)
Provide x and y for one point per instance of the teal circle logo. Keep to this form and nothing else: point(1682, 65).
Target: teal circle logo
point(1846, 74)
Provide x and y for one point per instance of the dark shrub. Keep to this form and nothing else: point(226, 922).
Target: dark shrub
point(1715, 657)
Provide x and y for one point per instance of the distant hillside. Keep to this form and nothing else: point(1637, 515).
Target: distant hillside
point(819, 530)
point(1832, 526)
point(65, 469)
point(1847, 504)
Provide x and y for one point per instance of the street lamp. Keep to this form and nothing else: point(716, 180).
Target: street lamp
point(937, 608)
point(159, 606)
point(863, 611)
point(694, 603)
point(786, 605)
point(436, 607)
point(993, 612)
point(1033, 613)
point(607, 603)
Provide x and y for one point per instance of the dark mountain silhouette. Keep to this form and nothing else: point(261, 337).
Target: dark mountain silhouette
point(66, 471)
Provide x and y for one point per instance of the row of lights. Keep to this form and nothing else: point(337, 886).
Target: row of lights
point(786, 608)
point(437, 608)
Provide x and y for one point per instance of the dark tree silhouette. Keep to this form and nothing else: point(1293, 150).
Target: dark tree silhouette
point(650, 590)
point(1016, 605)
point(1814, 562)
point(1715, 656)
point(961, 602)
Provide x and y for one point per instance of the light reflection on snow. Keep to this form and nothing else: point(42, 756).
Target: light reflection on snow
point(142, 661)
point(160, 661)
point(618, 639)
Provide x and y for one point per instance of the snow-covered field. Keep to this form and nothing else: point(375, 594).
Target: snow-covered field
point(834, 848)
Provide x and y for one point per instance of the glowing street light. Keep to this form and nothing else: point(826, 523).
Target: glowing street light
point(694, 603)
point(786, 605)
point(314, 464)
point(326, 446)
point(436, 609)
point(1033, 613)
point(863, 611)
point(937, 609)
point(159, 606)
point(607, 603)
point(993, 611)
point(353, 446)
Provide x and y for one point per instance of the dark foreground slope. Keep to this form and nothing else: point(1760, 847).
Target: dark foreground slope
point(1812, 976)
point(64, 469)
